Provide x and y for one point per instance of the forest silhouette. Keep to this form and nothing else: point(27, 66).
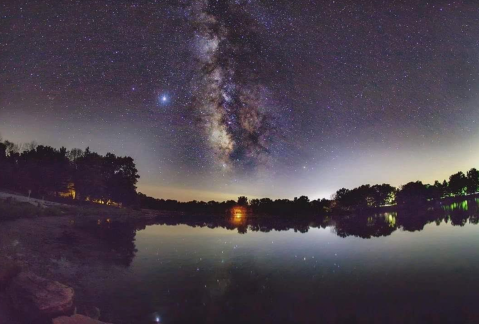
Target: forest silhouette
point(80, 176)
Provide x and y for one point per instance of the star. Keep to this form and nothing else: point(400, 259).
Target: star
point(163, 99)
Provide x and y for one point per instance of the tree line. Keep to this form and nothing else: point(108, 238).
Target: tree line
point(410, 194)
point(44, 171)
point(364, 197)
point(301, 205)
point(88, 176)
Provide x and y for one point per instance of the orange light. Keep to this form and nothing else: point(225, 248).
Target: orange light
point(238, 212)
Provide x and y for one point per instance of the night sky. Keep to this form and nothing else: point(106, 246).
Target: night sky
point(215, 99)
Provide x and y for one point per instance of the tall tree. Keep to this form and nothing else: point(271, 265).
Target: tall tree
point(44, 170)
point(242, 201)
point(121, 178)
point(412, 193)
point(458, 183)
point(383, 194)
point(472, 180)
point(301, 204)
point(89, 176)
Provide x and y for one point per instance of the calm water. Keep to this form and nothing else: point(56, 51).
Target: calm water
point(376, 269)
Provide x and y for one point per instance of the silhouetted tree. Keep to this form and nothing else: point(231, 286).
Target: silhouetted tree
point(44, 170)
point(412, 193)
point(90, 177)
point(3, 152)
point(458, 183)
point(11, 148)
point(436, 191)
point(242, 201)
point(254, 203)
point(47, 171)
point(321, 206)
point(75, 154)
point(445, 188)
point(301, 204)
point(383, 194)
point(364, 196)
point(104, 178)
point(121, 177)
point(341, 194)
point(472, 180)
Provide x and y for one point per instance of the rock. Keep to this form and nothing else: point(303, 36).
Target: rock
point(8, 270)
point(37, 298)
point(76, 319)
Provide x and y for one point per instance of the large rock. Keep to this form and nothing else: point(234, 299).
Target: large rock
point(37, 299)
point(76, 319)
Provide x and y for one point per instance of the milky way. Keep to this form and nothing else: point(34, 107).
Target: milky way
point(229, 97)
point(274, 98)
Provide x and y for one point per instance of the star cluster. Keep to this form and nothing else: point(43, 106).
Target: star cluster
point(264, 98)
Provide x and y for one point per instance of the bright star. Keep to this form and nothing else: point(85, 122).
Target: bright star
point(163, 99)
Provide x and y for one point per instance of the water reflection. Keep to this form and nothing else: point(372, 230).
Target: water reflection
point(121, 238)
point(361, 225)
point(191, 274)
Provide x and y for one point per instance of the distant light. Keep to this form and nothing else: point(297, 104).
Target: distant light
point(157, 319)
point(164, 98)
point(238, 213)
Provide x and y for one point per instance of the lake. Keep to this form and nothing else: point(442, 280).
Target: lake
point(384, 268)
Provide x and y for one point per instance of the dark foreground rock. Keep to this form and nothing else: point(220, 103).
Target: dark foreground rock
point(8, 270)
point(37, 299)
point(7, 316)
point(76, 319)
